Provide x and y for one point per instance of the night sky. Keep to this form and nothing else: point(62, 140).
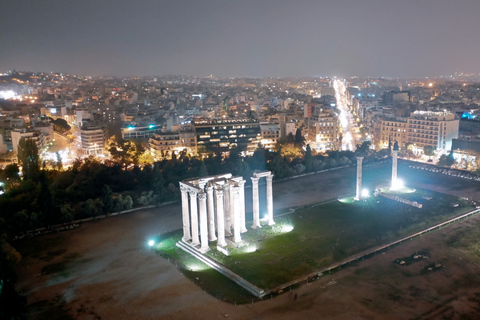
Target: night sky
point(407, 38)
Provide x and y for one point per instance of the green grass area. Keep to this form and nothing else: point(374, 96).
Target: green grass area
point(318, 236)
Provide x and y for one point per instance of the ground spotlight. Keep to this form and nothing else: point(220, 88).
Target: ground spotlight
point(151, 243)
point(365, 193)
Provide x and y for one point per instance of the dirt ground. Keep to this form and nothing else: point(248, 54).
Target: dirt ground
point(104, 269)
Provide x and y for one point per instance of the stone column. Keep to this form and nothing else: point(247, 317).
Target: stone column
point(211, 214)
point(185, 214)
point(394, 169)
point(243, 227)
point(236, 214)
point(202, 199)
point(256, 203)
point(194, 217)
point(226, 208)
point(270, 200)
point(359, 178)
point(220, 217)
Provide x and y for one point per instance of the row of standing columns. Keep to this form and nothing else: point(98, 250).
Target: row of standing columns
point(223, 201)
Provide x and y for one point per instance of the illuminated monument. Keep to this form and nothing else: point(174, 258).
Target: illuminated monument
point(358, 195)
point(220, 198)
point(395, 184)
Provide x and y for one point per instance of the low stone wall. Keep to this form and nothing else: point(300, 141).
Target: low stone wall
point(397, 198)
point(256, 291)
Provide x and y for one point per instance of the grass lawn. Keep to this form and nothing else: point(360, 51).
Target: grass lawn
point(315, 237)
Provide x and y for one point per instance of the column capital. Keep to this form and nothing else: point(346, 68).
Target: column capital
point(360, 158)
point(202, 195)
point(269, 177)
point(209, 188)
point(219, 192)
point(183, 188)
point(254, 179)
point(241, 183)
point(192, 193)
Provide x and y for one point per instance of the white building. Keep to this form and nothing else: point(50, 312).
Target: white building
point(18, 134)
point(436, 129)
point(323, 129)
point(270, 134)
point(93, 140)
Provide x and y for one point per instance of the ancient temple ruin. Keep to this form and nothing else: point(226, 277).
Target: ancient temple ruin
point(220, 199)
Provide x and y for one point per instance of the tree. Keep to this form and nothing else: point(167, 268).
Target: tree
point(308, 159)
point(28, 158)
point(299, 138)
point(67, 213)
point(429, 150)
point(450, 159)
point(11, 171)
point(107, 199)
point(202, 171)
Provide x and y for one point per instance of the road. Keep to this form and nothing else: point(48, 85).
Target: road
point(347, 122)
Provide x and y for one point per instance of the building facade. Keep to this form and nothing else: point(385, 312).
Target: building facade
point(93, 140)
point(220, 135)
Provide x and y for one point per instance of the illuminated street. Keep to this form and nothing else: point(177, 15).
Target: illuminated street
point(347, 121)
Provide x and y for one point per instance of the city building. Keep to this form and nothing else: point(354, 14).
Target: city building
point(220, 135)
point(270, 133)
point(93, 139)
point(165, 143)
point(27, 133)
point(322, 132)
point(436, 129)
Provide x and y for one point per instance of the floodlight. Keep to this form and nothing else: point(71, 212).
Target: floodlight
point(287, 228)
point(151, 243)
point(397, 185)
point(365, 193)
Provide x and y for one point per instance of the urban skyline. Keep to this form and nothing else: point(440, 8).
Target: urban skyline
point(242, 39)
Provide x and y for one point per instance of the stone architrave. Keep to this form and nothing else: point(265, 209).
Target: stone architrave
point(236, 214)
point(270, 200)
point(394, 169)
point(358, 195)
point(185, 214)
point(243, 227)
point(220, 217)
point(202, 200)
point(256, 203)
point(194, 217)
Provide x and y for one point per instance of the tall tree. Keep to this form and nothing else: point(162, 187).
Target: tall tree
point(308, 159)
point(299, 138)
point(28, 158)
point(107, 199)
point(202, 171)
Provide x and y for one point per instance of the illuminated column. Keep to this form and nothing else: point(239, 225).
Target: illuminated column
point(236, 214)
point(243, 227)
point(256, 203)
point(394, 169)
point(211, 214)
point(270, 200)
point(226, 211)
point(194, 217)
point(202, 199)
point(359, 178)
point(185, 214)
point(220, 218)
